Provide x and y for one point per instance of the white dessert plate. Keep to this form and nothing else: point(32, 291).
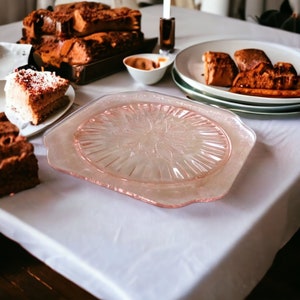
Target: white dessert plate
point(160, 149)
point(27, 129)
point(269, 110)
point(188, 63)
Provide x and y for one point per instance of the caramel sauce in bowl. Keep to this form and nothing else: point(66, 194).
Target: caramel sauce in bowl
point(141, 63)
point(147, 68)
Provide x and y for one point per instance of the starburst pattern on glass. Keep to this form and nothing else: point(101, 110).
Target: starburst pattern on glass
point(153, 143)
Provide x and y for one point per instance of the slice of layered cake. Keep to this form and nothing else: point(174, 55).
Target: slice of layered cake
point(35, 95)
point(18, 163)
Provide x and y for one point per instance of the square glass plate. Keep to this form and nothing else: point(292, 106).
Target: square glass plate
point(160, 149)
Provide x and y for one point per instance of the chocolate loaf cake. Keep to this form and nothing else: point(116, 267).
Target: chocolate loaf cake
point(18, 163)
point(81, 33)
point(84, 50)
point(219, 68)
point(248, 59)
point(78, 19)
point(282, 76)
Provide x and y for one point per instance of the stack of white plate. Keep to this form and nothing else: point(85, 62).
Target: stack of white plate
point(188, 74)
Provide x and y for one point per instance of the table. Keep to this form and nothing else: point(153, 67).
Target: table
point(117, 247)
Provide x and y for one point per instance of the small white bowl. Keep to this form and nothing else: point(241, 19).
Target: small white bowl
point(152, 76)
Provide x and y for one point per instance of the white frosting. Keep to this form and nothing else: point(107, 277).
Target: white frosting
point(26, 86)
point(35, 81)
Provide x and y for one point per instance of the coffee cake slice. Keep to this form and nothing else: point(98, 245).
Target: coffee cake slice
point(35, 95)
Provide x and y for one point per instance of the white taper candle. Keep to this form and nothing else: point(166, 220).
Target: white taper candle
point(167, 9)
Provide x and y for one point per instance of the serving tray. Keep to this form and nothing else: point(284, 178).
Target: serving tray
point(160, 149)
point(83, 74)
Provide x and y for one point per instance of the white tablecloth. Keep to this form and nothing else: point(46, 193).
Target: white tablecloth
point(117, 247)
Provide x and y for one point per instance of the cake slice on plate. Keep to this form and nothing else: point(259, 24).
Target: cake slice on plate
point(35, 95)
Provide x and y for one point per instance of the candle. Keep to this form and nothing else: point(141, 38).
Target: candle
point(167, 9)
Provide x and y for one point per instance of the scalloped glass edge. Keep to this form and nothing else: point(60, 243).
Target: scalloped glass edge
point(64, 157)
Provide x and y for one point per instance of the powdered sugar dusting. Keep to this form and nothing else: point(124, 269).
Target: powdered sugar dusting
point(36, 81)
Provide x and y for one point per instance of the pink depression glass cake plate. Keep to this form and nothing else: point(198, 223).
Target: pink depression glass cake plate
point(160, 149)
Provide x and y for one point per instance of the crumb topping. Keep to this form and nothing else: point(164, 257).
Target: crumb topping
point(37, 82)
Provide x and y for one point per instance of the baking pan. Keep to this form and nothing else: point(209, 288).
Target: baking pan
point(83, 74)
